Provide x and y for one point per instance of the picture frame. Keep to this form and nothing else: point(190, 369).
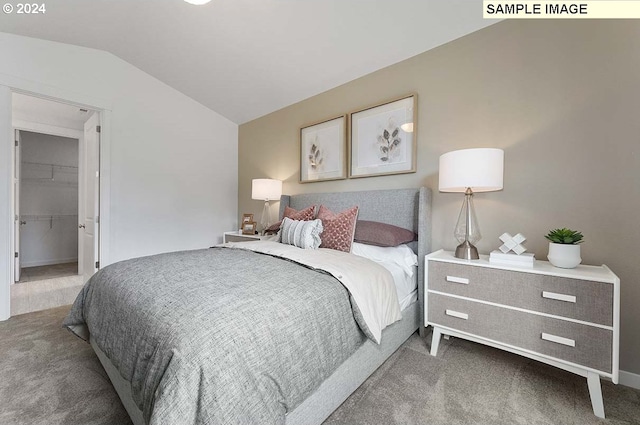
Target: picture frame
point(247, 218)
point(323, 150)
point(383, 138)
point(249, 228)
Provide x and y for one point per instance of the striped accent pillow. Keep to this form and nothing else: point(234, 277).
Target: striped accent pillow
point(303, 234)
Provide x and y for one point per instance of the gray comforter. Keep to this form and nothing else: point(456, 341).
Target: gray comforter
point(217, 336)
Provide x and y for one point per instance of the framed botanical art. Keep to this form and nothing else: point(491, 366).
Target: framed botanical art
point(323, 150)
point(383, 138)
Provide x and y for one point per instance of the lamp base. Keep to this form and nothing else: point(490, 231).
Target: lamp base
point(265, 219)
point(467, 251)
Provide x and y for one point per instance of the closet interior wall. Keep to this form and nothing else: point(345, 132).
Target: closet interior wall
point(48, 200)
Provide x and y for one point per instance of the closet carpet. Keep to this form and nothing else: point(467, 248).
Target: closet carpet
point(30, 274)
point(50, 377)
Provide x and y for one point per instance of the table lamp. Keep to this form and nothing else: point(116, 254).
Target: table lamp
point(266, 190)
point(468, 171)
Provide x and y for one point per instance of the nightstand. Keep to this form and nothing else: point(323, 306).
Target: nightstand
point(237, 236)
point(568, 318)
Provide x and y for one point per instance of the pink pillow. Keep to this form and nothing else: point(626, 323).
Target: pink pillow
point(338, 229)
point(302, 215)
point(306, 214)
point(382, 234)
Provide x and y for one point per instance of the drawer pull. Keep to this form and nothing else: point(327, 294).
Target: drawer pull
point(455, 279)
point(559, 297)
point(457, 314)
point(558, 339)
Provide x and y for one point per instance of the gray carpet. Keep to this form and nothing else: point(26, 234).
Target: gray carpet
point(50, 377)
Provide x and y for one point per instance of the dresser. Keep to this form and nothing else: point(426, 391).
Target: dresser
point(568, 318)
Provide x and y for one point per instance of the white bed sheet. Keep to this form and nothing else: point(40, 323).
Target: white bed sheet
point(408, 300)
point(406, 286)
point(401, 262)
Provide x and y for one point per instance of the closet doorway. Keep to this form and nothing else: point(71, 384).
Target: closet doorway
point(47, 203)
point(56, 195)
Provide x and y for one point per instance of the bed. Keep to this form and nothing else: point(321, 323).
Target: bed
point(147, 401)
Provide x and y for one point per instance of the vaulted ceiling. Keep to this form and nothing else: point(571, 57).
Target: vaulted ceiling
point(247, 58)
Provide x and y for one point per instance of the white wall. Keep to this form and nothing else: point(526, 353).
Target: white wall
point(48, 241)
point(6, 224)
point(173, 162)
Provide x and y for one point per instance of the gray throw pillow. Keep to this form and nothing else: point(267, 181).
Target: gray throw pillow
point(303, 234)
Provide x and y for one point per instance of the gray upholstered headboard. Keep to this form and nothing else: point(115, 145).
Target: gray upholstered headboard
point(406, 208)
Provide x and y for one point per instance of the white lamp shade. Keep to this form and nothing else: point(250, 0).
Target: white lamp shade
point(266, 189)
point(480, 169)
point(198, 2)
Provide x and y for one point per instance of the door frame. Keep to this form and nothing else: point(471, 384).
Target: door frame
point(70, 133)
point(10, 84)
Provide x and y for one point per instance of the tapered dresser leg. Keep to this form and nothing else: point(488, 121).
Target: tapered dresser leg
point(435, 341)
point(595, 392)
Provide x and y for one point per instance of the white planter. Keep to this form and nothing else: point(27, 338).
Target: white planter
point(564, 256)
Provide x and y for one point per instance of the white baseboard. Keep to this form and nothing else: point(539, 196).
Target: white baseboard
point(47, 262)
point(629, 379)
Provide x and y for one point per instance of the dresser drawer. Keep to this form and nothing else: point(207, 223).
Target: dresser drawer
point(592, 346)
point(574, 298)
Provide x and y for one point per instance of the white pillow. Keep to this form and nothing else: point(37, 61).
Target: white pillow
point(303, 234)
point(401, 255)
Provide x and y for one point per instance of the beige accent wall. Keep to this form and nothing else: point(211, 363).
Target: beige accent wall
point(562, 98)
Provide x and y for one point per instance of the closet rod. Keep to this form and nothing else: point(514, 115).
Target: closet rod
point(44, 164)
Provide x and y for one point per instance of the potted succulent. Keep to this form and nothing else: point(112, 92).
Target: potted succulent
point(564, 248)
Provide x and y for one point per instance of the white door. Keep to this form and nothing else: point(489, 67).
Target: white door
point(16, 202)
point(81, 183)
point(91, 223)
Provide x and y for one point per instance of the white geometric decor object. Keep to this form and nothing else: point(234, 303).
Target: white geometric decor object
point(512, 243)
point(510, 259)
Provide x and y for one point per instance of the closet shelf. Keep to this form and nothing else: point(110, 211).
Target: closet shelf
point(47, 174)
point(57, 167)
point(48, 217)
point(48, 181)
point(26, 218)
